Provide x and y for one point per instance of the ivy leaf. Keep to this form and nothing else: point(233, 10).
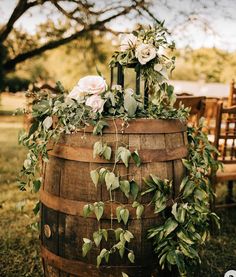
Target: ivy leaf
point(118, 231)
point(87, 209)
point(99, 260)
point(97, 237)
point(87, 245)
point(118, 209)
point(99, 127)
point(112, 182)
point(47, 123)
point(123, 154)
point(134, 189)
point(124, 213)
point(139, 211)
point(128, 235)
point(107, 152)
point(130, 104)
point(94, 176)
point(98, 209)
point(136, 158)
point(125, 187)
point(131, 256)
point(122, 251)
point(105, 234)
point(102, 174)
point(97, 149)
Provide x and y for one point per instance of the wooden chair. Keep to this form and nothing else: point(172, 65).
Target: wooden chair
point(225, 142)
point(232, 94)
point(210, 115)
point(196, 103)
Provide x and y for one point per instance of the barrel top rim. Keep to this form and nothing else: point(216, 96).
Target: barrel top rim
point(141, 126)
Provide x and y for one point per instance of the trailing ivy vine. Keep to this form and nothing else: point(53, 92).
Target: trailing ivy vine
point(186, 219)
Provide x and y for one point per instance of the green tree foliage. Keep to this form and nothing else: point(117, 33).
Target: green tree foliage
point(209, 64)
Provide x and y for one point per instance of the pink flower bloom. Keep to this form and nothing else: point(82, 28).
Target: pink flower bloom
point(92, 84)
point(96, 103)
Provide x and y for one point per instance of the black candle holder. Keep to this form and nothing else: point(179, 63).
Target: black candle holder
point(121, 79)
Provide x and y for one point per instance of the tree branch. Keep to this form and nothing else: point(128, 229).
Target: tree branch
point(19, 10)
point(10, 64)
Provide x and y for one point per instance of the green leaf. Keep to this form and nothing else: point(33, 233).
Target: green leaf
point(184, 237)
point(122, 251)
point(170, 226)
point(123, 154)
point(47, 123)
point(136, 158)
point(130, 104)
point(134, 189)
point(139, 211)
point(188, 189)
point(87, 245)
point(112, 182)
point(99, 260)
point(131, 256)
point(118, 231)
point(128, 235)
point(97, 237)
point(124, 213)
point(99, 127)
point(125, 187)
point(94, 176)
point(97, 149)
point(135, 204)
point(183, 183)
point(36, 208)
point(118, 210)
point(107, 152)
point(105, 234)
point(98, 209)
point(36, 185)
point(171, 257)
point(33, 128)
point(87, 209)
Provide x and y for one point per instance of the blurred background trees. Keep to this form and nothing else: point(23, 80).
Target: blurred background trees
point(82, 34)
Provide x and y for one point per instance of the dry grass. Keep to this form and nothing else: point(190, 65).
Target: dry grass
point(19, 244)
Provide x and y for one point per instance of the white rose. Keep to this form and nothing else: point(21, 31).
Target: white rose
point(145, 52)
point(92, 84)
point(95, 102)
point(77, 94)
point(127, 42)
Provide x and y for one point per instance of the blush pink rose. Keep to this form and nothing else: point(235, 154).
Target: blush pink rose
point(92, 84)
point(95, 102)
point(77, 94)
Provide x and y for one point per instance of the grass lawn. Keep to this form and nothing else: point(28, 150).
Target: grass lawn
point(19, 244)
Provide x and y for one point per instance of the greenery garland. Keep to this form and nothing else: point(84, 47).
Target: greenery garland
point(185, 221)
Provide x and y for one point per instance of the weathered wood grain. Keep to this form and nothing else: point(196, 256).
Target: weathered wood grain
point(68, 187)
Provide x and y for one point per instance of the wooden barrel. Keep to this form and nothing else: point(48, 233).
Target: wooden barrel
point(67, 187)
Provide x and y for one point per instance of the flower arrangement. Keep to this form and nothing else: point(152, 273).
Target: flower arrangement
point(91, 102)
point(146, 49)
